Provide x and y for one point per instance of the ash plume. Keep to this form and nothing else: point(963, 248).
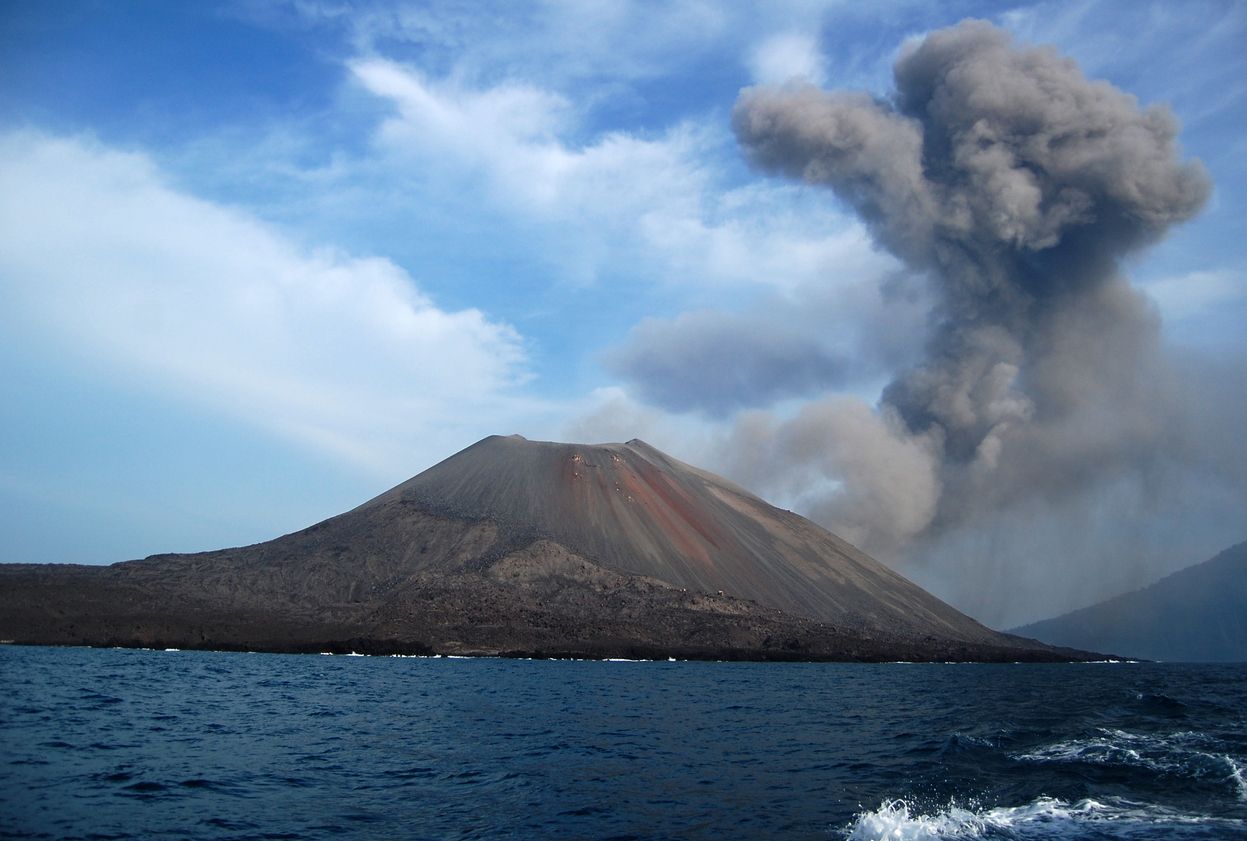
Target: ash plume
point(1017, 187)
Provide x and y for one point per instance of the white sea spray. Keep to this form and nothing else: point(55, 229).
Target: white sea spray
point(1043, 817)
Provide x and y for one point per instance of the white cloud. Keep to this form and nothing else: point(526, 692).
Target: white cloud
point(1195, 293)
point(515, 136)
point(765, 234)
point(103, 261)
point(658, 205)
point(563, 40)
point(787, 57)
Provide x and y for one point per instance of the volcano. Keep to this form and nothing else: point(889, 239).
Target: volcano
point(518, 547)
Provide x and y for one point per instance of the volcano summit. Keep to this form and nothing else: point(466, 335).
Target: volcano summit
point(521, 547)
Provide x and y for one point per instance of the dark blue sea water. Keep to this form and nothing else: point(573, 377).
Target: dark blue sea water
point(200, 745)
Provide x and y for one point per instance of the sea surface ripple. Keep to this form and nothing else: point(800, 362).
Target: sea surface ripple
point(117, 744)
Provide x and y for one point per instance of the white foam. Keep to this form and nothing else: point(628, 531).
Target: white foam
point(1106, 662)
point(1236, 774)
point(1044, 817)
point(895, 820)
point(1183, 754)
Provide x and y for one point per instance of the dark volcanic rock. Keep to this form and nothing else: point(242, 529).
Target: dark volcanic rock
point(515, 547)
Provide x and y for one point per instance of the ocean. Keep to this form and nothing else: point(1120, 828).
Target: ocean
point(116, 744)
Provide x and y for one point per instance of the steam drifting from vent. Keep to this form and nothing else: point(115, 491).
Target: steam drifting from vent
point(1017, 186)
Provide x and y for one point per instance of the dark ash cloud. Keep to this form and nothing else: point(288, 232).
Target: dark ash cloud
point(718, 363)
point(1017, 186)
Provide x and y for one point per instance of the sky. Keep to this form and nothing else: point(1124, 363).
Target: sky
point(260, 261)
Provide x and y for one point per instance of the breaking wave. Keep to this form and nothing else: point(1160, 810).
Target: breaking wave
point(1044, 817)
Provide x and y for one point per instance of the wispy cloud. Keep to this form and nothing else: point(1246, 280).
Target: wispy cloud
point(515, 136)
point(663, 205)
point(788, 57)
point(345, 354)
point(564, 41)
point(1196, 293)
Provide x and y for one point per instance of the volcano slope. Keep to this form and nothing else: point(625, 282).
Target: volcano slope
point(522, 548)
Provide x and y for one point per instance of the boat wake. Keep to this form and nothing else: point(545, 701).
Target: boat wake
point(1044, 817)
point(1180, 756)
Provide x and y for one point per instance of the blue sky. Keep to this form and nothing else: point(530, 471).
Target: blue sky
point(262, 261)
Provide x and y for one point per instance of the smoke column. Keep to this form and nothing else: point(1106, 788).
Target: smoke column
point(1016, 186)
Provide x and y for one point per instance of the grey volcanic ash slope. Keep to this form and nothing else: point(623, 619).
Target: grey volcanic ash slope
point(521, 546)
point(636, 510)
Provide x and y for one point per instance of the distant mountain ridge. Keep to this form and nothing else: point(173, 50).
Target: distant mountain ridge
point(522, 547)
point(1197, 614)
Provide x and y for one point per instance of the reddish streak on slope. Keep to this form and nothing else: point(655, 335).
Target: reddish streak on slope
point(672, 510)
point(661, 504)
point(679, 501)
